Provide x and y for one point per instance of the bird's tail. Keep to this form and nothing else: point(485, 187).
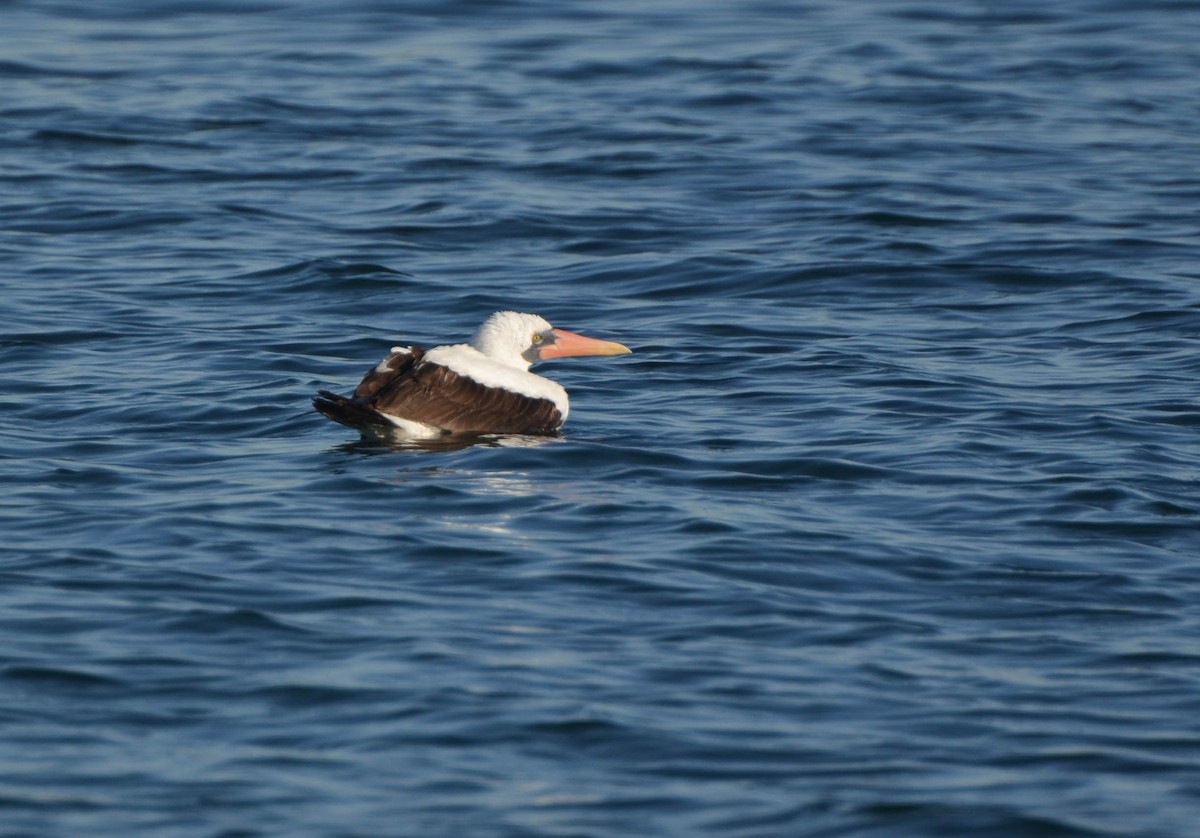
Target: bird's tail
point(350, 413)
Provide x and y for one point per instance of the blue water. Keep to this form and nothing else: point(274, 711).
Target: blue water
point(889, 527)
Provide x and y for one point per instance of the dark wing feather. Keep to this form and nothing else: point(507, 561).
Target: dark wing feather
point(352, 414)
point(439, 396)
point(394, 366)
point(406, 386)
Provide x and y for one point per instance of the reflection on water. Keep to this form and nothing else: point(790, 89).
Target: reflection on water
point(443, 444)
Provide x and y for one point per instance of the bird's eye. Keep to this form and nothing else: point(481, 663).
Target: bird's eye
point(537, 339)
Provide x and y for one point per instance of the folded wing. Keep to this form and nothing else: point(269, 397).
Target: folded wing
point(408, 387)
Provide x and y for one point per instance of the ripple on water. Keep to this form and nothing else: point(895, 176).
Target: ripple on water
point(886, 527)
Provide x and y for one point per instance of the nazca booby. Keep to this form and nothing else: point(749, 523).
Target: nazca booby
point(484, 386)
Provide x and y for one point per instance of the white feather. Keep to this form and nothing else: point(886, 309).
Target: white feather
point(469, 361)
point(417, 430)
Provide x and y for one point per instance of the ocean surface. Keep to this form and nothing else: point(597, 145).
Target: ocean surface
point(890, 526)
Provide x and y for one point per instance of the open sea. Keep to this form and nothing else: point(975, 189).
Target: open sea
point(889, 527)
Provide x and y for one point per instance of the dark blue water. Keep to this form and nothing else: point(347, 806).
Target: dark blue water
point(889, 527)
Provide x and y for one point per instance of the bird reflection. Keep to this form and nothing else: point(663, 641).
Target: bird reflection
point(446, 443)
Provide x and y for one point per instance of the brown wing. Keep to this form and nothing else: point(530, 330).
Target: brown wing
point(438, 396)
point(394, 367)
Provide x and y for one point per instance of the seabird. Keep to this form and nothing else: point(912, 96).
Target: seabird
point(484, 386)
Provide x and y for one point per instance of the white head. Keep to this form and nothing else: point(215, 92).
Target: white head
point(508, 336)
point(518, 340)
